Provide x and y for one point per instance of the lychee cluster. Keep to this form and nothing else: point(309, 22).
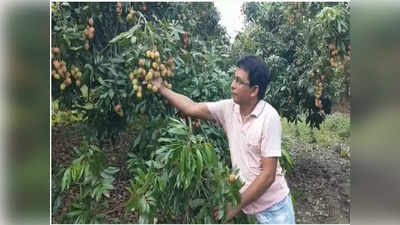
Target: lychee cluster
point(131, 17)
point(118, 9)
point(59, 70)
point(150, 68)
point(88, 33)
point(318, 94)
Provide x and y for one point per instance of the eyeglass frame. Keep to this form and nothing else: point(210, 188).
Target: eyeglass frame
point(237, 81)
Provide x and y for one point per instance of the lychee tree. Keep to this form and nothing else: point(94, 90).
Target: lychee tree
point(109, 82)
point(96, 47)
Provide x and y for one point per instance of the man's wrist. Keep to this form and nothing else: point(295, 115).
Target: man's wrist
point(237, 209)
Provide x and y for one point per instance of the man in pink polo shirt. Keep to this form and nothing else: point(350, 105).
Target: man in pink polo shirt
point(253, 129)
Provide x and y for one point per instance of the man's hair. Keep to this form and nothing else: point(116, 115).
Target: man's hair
point(258, 73)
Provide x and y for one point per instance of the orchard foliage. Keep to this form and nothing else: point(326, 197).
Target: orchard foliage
point(186, 180)
point(307, 46)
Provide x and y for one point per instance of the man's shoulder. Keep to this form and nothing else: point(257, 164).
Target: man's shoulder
point(221, 105)
point(270, 110)
point(223, 102)
point(227, 101)
point(220, 110)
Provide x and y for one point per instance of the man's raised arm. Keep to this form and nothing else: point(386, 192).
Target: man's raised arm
point(183, 103)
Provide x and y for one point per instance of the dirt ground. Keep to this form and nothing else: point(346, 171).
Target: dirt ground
point(321, 185)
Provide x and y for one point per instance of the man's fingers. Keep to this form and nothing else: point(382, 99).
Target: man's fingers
point(156, 82)
point(215, 213)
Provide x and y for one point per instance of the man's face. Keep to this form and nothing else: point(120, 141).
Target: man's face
point(240, 86)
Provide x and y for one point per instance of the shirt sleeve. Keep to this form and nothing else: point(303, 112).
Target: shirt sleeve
point(219, 109)
point(271, 140)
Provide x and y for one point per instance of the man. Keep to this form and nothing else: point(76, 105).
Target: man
point(254, 133)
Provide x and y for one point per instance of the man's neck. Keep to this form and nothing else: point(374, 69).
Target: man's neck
point(246, 109)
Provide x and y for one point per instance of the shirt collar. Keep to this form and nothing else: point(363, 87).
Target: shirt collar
point(256, 111)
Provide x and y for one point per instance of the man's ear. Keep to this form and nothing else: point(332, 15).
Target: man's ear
point(254, 92)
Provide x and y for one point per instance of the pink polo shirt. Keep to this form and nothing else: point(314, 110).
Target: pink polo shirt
point(258, 136)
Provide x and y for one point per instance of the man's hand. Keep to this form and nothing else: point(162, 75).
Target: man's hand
point(181, 102)
point(230, 212)
point(215, 213)
point(157, 82)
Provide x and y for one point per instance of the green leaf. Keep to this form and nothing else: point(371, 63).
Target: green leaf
point(105, 175)
point(67, 13)
point(210, 153)
point(101, 81)
point(133, 40)
point(147, 63)
point(220, 213)
point(90, 68)
point(134, 28)
point(112, 170)
point(167, 140)
point(157, 165)
point(82, 170)
point(108, 186)
point(143, 220)
point(75, 213)
point(57, 204)
point(119, 37)
point(95, 191)
point(196, 93)
point(199, 161)
point(142, 205)
point(196, 203)
point(177, 131)
point(116, 61)
point(88, 106)
point(111, 93)
point(84, 91)
point(65, 182)
point(182, 164)
point(137, 140)
point(76, 48)
point(66, 39)
point(106, 193)
point(99, 193)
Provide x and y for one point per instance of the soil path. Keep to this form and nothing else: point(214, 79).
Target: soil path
point(321, 185)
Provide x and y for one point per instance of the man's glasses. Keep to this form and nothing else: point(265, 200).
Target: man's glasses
point(238, 81)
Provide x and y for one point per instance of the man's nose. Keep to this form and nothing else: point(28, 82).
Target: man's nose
point(233, 84)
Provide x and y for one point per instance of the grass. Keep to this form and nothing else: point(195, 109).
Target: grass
point(335, 129)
